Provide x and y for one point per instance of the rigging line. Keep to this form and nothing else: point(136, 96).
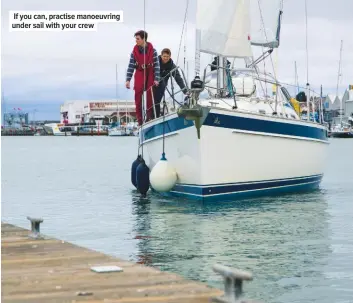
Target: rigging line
point(263, 90)
point(263, 24)
point(182, 31)
point(144, 77)
point(280, 83)
point(185, 42)
point(181, 38)
point(306, 43)
point(164, 106)
point(161, 79)
point(257, 72)
point(116, 95)
point(265, 93)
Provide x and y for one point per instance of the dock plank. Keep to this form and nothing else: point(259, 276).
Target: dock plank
point(50, 270)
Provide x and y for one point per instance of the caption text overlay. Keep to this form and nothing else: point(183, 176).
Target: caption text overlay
point(61, 20)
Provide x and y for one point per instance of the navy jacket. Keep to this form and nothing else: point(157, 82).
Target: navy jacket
point(165, 69)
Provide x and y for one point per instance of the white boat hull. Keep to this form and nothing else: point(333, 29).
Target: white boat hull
point(62, 134)
point(54, 129)
point(238, 154)
point(116, 132)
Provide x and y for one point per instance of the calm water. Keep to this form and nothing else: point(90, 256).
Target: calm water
point(299, 247)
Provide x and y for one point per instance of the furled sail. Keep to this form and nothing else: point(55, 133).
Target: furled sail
point(223, 27)
point(265, 22)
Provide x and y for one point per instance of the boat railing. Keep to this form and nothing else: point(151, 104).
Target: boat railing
point(256, 74)
point(266, 78)
point(171, 93)
point(250, 72)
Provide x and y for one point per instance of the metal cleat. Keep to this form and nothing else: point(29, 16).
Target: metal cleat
point(233, 282)
point(35, 227)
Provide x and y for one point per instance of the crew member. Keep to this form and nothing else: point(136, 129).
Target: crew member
point(144, 61)
point(166, 66)
point(215, 65)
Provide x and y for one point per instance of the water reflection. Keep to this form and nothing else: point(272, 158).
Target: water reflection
point(283, 240)
point(142, 228)
point(299, 247)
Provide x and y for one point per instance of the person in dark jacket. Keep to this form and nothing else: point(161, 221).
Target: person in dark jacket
point(166, 66)
point(215, 64)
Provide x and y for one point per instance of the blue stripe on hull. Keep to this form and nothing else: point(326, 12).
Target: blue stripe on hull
point(171, 125)
point(246, 190)
point(239, 123)
point(259, 125)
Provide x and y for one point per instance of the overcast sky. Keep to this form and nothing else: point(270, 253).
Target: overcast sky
point(51, 67)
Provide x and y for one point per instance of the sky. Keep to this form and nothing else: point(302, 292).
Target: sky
point(41, 70)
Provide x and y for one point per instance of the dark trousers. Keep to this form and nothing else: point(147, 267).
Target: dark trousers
point(158, 97)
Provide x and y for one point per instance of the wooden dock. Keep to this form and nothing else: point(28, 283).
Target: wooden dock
point(50, 270)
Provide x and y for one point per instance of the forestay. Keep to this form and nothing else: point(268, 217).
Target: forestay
point(223, 27)
point(265, 18)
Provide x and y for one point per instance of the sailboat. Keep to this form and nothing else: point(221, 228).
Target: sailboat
point(342, 129)
point(234, 143)
point(117, 130)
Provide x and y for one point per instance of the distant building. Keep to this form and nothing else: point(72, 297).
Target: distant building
point(332, 105)
point(332, 102)
point(106, 111)
point(347, 101)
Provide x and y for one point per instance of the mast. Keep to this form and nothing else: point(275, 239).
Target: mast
point(3, 102)
point(126, 113)
point(116, 94)
point(321, 107)
point(307, 65)
point(296, 88)
point(186, 64)
point(274, 86)
point(220, 75)
point(185, 41)
point(197, 52)
point(338, 79)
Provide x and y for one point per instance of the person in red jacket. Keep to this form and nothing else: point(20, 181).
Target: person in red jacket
point(144, 61)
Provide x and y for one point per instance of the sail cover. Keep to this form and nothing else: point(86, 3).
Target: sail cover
point(265, 22)
point(223, 27)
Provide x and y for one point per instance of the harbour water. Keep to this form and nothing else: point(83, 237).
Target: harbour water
point(299, 247)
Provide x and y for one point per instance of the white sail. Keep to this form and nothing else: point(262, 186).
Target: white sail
point(223, 27)
point(265, 22)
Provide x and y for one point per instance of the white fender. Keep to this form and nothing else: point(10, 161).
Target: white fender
point(163, 176)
